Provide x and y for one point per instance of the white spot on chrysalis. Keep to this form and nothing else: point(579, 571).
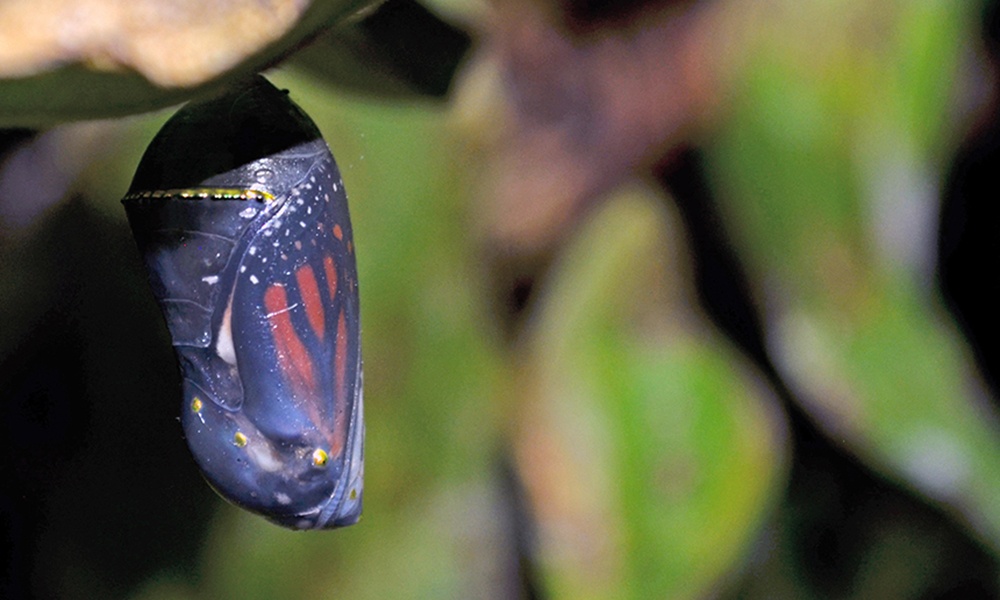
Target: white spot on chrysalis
point(263, 456)
point(254, 280)
point(224, 341)
point(210, 279)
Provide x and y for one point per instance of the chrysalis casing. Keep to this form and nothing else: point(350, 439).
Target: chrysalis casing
point(240, 214)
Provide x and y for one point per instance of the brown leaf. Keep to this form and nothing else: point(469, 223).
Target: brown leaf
point(175, 43)
point(592, 107)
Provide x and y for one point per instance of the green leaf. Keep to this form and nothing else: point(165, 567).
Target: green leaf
point(650, 449)
point(825, 165)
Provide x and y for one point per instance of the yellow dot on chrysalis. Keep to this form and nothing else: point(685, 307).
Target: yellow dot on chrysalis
point(354, 494)
point(196, 404)
point(239, 440)
point(320, 457)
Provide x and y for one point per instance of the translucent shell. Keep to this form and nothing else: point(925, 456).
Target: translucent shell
point(240, 214)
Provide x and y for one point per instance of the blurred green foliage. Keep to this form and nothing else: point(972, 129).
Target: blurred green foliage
point(833, 210)
point(682, 456)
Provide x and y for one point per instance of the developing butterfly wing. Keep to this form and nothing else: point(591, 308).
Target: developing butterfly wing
point(293, 321)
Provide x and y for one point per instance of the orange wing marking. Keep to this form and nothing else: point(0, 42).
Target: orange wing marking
point(293, 358)
point(331, 276)
point(340, 385)
point(311, 299)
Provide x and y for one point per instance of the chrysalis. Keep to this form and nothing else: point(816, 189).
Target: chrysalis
point(240, 214)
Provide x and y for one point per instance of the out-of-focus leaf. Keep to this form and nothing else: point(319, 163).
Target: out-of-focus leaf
point(35, 177)
point(587, 107)
point(64, 60)
point(41, 173)
point(647, 444)
point(399, 49)
point(833, 212)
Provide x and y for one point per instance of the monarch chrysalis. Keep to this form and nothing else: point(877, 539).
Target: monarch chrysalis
point(240, 214)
